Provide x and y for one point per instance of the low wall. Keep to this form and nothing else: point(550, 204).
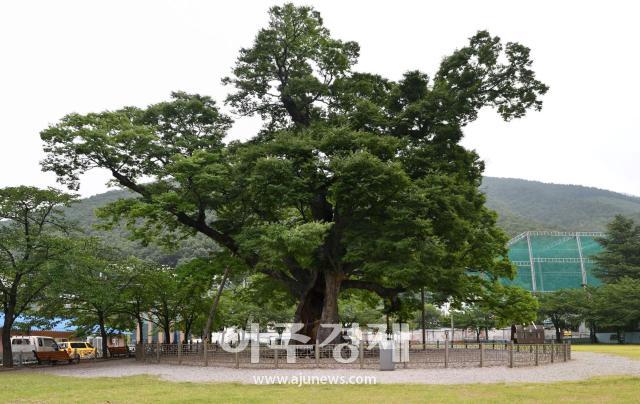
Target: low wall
point(612, 338)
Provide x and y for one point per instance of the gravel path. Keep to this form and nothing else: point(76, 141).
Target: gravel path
point(584, 365)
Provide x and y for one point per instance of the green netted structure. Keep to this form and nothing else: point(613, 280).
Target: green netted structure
point(549, 260)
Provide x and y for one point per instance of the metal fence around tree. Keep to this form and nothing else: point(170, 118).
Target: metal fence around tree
point(430, 355)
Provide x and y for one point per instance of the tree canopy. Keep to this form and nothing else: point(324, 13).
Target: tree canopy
point(355, 182)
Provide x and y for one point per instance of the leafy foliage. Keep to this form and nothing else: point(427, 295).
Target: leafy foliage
point(620, 257)
point(475, 318)
point(356, 182)
point(566, 308)
point(93, 292)
point(294, 64)
point(617, 305)
point(34, 250)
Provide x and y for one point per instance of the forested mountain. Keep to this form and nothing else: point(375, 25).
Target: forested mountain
point(83, 214)
point(532, 205)
point(521, 205)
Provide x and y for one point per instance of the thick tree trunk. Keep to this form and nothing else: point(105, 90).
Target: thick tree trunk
point(309, 309)
point(7, 355)
point(330, 315)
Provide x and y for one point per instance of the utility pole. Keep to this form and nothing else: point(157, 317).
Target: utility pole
point(424, 335)
point(452, 329)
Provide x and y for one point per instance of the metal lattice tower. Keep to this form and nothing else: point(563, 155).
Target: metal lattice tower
point(552, 260)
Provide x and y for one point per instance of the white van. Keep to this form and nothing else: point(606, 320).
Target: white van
point(23, 346)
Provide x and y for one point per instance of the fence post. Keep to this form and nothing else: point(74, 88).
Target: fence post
point(205, 354)
point(158, 350)
point(511, 354)
point(361, 349)
point(179, 353)
point(481, 355)
point(569, 349)
point(537, 355)
point(237, 357)
point(564, 351)
point(316, 349)
point(446, 353)
point(276, 355)
point(20, 359)
point(438, 344)
point(553, 351)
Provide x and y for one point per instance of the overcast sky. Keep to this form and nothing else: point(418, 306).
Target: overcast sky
point(58, 57)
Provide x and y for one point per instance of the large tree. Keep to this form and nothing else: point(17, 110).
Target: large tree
point(33, 250)
point(355, 181)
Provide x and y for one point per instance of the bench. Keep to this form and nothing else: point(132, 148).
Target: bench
point(119, 351)
point(54, 357)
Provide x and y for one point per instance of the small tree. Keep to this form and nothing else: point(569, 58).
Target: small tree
point(33, 251)
point(95, 292)
point(255, 299)
point(565, 308)
point(166, 301)
point(476, 318)
point(509, 305)
point(137, 296)
point(433, 317)
point(195, 282)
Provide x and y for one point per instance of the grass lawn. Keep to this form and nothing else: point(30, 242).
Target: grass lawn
point(630, 351)
point(34, 387)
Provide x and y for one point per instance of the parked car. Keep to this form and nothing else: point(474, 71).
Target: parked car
point(84, 350)
point(29, 343)
point(23, 346)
